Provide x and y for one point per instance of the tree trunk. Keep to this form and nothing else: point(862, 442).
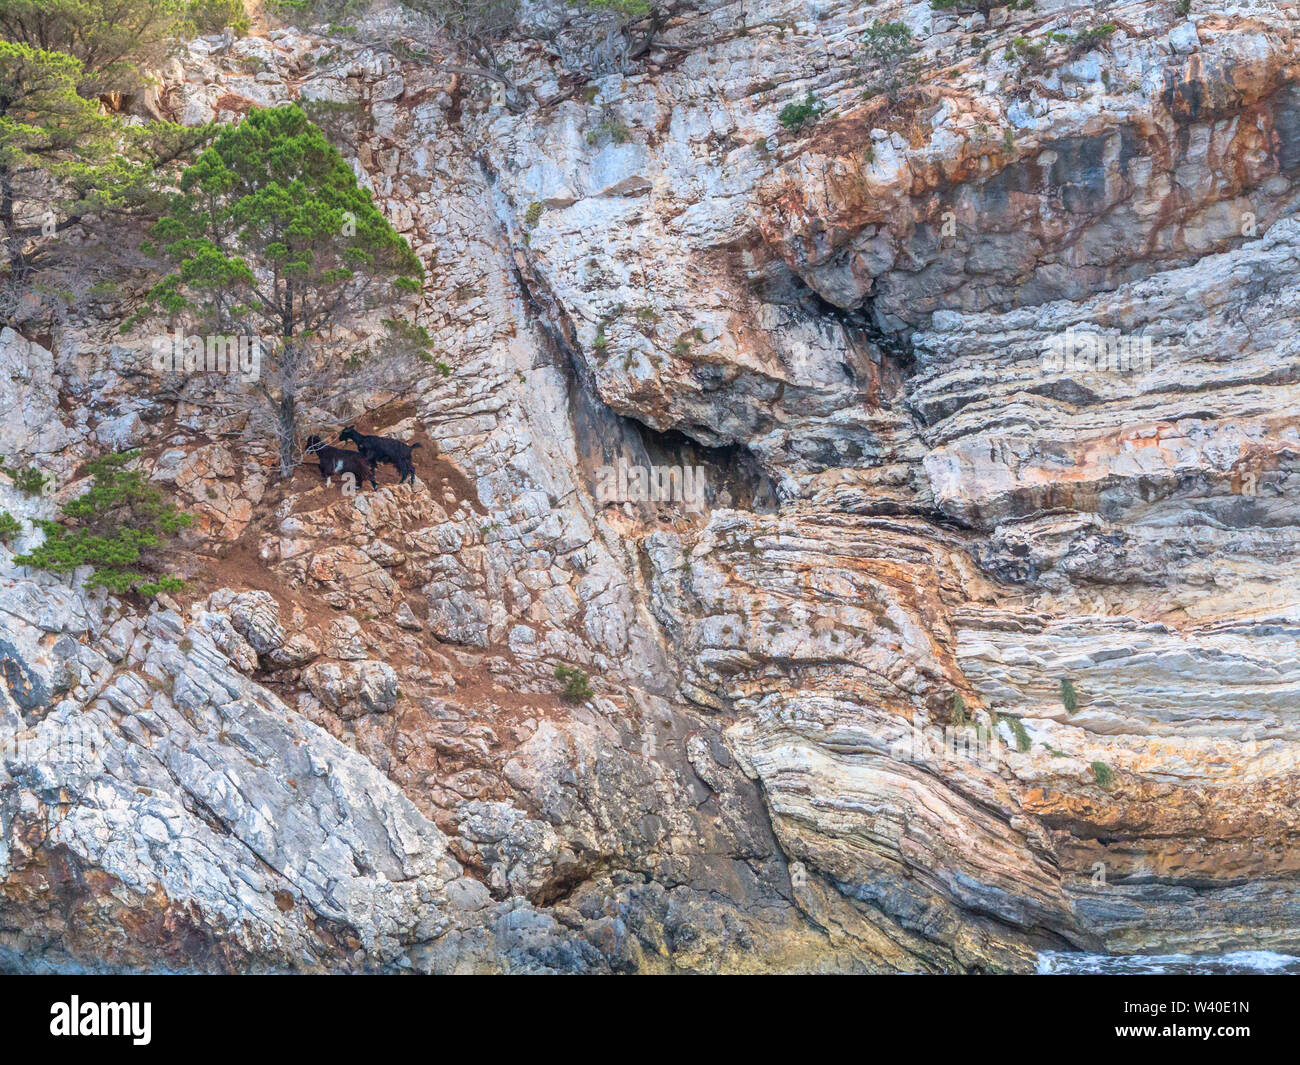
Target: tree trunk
point(288, 429)
point(14, 242)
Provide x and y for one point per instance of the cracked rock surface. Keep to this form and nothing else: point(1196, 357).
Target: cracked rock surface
point(343, 747)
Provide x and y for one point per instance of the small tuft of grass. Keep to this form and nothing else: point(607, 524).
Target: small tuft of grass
point(1102, 774)
point(1069, 697)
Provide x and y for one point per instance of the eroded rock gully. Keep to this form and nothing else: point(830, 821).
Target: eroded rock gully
point(343, 748)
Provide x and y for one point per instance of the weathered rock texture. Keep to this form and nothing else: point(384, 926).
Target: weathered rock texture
point(344, 746)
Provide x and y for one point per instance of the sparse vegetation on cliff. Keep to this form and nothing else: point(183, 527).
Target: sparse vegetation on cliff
point(576, 687)
point(1018, 730)
point(796, 116)
point(888, 55)
point(120, 527)
point(609, 131)
point(9, 526)
point(213, 16)
point(29, 480)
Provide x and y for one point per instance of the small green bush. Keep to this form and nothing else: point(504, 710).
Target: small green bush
point(888, 52)
point(795, 116)
point(213, 16)
point(1089, 37)
point(611, 130)
point(534, 214)
point(1031, 55)
point(9, 526)
point(628, 8)
point(29, 480)
point(311, 12)
point(1102, 774)
point(965, 7)
point(957, 710)
point(576, 688)
point(1069, 697)
point(119, 527)
point(341, 120)
point(408, 338)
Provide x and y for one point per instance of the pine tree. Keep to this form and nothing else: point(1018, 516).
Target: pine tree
point(270, 230)
point(113, 41)
point(47, 130)
point(62, 156)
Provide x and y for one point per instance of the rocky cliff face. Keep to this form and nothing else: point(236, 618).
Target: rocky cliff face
point(343, 747)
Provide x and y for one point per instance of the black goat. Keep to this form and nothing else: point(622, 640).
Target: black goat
point(335, 460)
point(379, 449)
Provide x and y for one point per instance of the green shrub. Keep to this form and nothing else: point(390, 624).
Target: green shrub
point(119, 527)
point(609, 130)
point(1069, 697)
point(795, 116)
point(1017, 728)
point(534, 214)
point(9, 526)
point(1085, 40)
point(341, 120)
point(408, 338)
point(888, 51)
point(1031, 55)
point(30, 481)
point(1102, 774)
point(213, 16)
point(311, 12)
point(576, 688)
point(965, 7)
point(629, 8)
point(957, 710)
